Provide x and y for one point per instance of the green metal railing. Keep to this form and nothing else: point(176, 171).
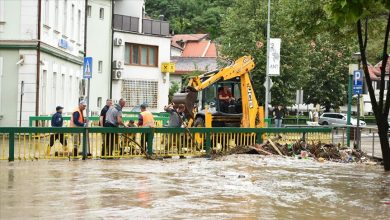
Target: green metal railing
point(44, 121)
point(34, 142)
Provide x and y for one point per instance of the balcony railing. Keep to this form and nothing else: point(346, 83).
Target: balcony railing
point(155, 27)
point(126, 23)
point(149, 26)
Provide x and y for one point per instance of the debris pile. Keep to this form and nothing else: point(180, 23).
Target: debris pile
point(301, 150)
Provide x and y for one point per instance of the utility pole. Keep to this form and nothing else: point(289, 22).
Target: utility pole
point(267, 79)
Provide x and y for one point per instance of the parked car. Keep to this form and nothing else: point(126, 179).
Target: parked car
point(338, 119)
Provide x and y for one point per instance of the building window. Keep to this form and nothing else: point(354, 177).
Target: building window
point(65, 17)
point(1, 72)
point(89, 11)
point(143, 55)
point(99, 102)
point(79, 26)
point(2, 10)
point(54, 89)
point(72, 23)
point(138, 92)
point(100, 66)
point(101, 13)
point(47, 13)
point(56, 10)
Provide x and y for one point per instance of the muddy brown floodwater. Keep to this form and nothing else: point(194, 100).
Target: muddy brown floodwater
point(233, 187)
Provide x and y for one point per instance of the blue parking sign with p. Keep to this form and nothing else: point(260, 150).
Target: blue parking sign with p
point(87, 69)
point(357, 82)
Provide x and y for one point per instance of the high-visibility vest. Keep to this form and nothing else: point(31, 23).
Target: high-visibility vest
point(148, 119)
point(81, 117)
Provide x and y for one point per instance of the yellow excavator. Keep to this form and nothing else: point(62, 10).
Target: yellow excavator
point(204, 106)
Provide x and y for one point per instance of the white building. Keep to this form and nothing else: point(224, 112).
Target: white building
point(42, 49)
point(140, 46)
point(99, 35)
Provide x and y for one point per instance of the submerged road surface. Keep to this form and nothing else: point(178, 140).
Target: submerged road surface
point(244, 186)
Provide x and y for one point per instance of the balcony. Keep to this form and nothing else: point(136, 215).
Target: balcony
point(149, 26)
point(126, 23)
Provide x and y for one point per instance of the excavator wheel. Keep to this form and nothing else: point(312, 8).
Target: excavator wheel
point(199, 122)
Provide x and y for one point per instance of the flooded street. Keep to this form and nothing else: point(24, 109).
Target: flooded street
point(235, 187)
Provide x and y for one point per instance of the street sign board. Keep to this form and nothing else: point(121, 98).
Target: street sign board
point(274, 57)
point(167, 67)
point(87, 69)
point(357, 82)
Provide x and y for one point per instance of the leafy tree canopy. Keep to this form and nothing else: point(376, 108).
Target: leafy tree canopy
point(190, 16)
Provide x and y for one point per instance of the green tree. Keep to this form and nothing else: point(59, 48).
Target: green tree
point(326, 81)
point(238, 40)
point(360, 12)
point(172, 90)
point(326, 52)
point(190, 16)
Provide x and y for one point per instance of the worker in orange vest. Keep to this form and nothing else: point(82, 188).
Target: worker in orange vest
point(146, 120)
point(77, 119)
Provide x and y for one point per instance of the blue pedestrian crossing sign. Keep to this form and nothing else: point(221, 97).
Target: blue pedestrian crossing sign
point(357, 82)
point(87, 69)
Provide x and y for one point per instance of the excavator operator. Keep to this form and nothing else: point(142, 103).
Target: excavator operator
point(225, 98)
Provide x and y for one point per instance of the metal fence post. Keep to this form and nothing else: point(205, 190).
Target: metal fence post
point(11, 150)
point(85, 143)
point(150, 141)
point(333, 135)
point(208, 143)
point(259, 138)
point(373, 143)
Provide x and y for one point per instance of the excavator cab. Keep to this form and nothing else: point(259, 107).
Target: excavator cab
point(209, 97)
point(224, 113)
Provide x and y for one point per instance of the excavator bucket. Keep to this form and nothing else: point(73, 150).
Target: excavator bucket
point(188, 99)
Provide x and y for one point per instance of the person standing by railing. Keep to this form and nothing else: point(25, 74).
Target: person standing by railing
point(315, 116)
point(103, 113)
point(77, 119)
point(113, 119)
point(57, 121)
point(176, 115)
point(146, 120)
point(176, 120)
point(102, 119)
point(278, 116)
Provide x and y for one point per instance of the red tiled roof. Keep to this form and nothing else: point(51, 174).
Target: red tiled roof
point(204, 48)
point(211, 51)
point(186, 37)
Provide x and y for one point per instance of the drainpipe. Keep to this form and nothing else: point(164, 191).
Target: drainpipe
point(85, 47)
point(38, 60)
point(112, 43)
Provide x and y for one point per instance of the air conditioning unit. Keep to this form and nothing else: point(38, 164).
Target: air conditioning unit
point(117, 64)
point(117, 74)
point(118, 41)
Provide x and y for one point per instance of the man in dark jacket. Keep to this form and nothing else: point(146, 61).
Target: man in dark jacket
point(278, 116)
point(103, 113)
point(57, 121)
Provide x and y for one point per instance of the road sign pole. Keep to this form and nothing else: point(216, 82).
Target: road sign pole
point(267, 69)
point(358, 124)
point(87, 74)
point(350, 77)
